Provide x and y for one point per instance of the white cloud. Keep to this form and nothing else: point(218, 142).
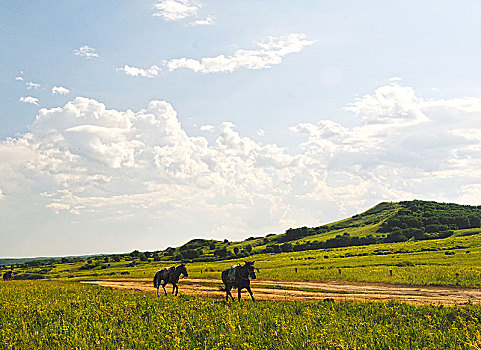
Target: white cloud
point(261, 132)
point(59, 90)
point(29, 99)
point(31, 86)
point(204, 22)
point(392, 104)
point(207, 127)
point(174, 10)
point(395, 79)
point(87, 52)
point(19, 78)
point(270, 52)
point(102, 164)
point(151, 72)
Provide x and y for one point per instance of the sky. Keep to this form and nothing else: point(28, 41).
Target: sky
point(143, 124)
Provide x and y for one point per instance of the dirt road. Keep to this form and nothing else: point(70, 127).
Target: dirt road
point(339, 291)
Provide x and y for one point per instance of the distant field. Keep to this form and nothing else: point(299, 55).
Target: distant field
point(53, 315)
point(437, 244)
point(454, 261)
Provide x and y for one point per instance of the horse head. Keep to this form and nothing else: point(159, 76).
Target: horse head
point(250, 267)
point(183, 270)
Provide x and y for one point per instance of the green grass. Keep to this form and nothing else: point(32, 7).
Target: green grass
point(60, 315)
point(412, 262)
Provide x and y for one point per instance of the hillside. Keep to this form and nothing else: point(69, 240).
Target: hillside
point(387, 222)
point(415, 242)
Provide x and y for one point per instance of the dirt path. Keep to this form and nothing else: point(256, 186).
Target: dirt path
point(339, 291)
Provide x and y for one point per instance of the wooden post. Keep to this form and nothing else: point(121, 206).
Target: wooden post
point(339, 269)
point(390, 273)
point(295, 269)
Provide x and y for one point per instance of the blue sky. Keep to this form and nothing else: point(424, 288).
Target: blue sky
point(141, 125)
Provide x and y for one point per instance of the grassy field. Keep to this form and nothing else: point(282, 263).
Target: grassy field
point(62, 315)
point(55, 312)
point(418, 260)
point(454, 261)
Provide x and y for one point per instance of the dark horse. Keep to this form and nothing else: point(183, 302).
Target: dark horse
point(238, 278)
point(7, 276)
point(169, 275)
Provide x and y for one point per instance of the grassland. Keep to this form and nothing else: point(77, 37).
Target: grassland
point(454, 261)
point(60, 315)
point(56, 312)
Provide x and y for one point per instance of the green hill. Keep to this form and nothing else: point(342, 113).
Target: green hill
point(387, 222)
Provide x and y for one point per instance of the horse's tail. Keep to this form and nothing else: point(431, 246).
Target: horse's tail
point(222, 289)
point(157, 279)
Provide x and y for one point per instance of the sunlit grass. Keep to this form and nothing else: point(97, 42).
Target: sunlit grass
point(54, 315)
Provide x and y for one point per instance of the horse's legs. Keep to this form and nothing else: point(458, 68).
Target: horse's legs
point(239, 290)
point(250, 292)
point(175, 288)
point(227, 293)
point(158, 290)
point(163, 286)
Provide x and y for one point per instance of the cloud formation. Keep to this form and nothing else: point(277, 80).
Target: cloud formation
point(83, 159)
point(207, 127)
point(87, 52)
point(59, 90)
point(31, 85)
point(151, 72)
point(174, 10)
point(29, 99)
point(270, 52)
point(204, 22)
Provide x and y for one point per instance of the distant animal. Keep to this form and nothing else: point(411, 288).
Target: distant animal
point(238, 277)
point(7, 276)
point(169, 275)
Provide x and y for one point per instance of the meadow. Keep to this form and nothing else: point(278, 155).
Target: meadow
point(66, 315)
point(454, 261)
point(422, 259)
point(56, 312)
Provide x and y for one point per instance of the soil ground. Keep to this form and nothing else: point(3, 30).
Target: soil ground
point(302, 291)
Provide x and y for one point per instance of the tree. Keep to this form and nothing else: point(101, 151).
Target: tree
point(189, 254)
point(221, 253)
point(474, 221)
point(236, 250)
point(294, 233)
point(286, 247)
point(461, 222)
point(169, 251)
point(249, 248)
